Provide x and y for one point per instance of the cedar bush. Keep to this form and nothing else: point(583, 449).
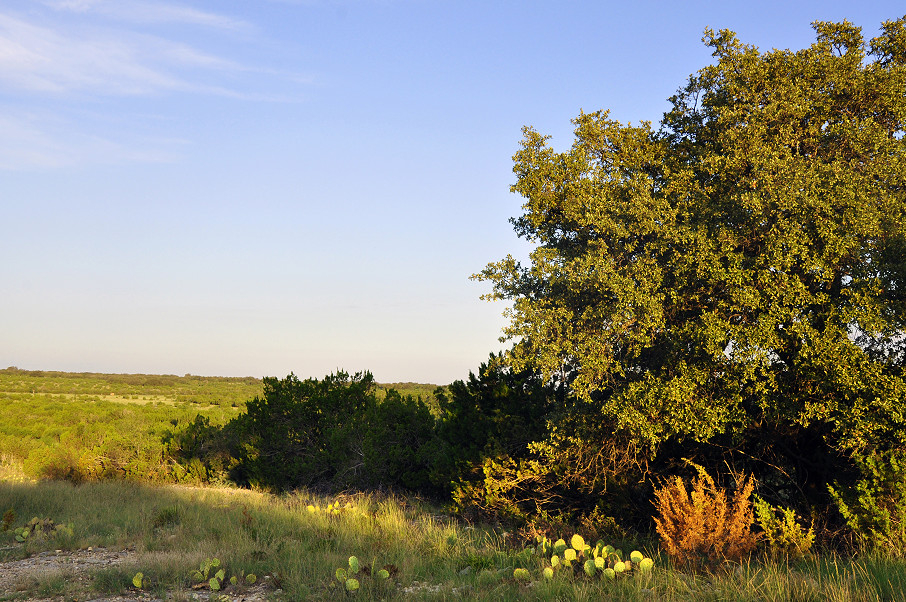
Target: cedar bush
point(783, 535)
point(875, 509)
point(705, 525)
point(332, 434)
point(491, 417)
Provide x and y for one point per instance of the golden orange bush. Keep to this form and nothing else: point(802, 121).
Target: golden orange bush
point(705, 526)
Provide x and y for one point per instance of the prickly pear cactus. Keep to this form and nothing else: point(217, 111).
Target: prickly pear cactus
point(577, 542)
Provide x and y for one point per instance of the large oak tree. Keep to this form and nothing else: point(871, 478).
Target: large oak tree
point(739, 272)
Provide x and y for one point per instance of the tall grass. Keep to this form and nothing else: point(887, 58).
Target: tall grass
point(172, 529)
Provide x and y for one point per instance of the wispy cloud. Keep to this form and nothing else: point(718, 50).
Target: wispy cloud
point(40, 59)
point(150, 13)
point(60, 54)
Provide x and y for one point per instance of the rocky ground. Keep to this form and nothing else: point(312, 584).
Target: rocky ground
point(18, 578)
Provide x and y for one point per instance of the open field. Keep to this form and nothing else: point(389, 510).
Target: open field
point(166, 388)
point(167, 532)
point(109, 425)
point(205, 391)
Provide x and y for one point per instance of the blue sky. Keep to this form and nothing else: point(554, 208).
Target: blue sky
point(253, 188)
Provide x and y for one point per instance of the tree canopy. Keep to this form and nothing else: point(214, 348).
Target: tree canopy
point(740, 268)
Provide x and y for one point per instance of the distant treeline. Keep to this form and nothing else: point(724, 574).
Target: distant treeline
point(206, 390)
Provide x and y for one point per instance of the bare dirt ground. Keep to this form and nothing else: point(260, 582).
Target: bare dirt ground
point(21, 576)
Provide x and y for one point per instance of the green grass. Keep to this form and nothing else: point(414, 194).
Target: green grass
point(175, 528)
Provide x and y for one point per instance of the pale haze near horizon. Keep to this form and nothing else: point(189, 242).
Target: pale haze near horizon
point(256, 188)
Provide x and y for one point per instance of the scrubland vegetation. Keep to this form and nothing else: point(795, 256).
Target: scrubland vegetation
point(706, 375)
point(294, 546)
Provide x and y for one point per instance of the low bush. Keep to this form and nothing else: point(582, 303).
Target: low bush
point(332, 434)
point(705, 526)
point(783, 535)
point(875, 509)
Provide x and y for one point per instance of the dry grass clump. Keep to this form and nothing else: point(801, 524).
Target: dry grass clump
point(705, 526)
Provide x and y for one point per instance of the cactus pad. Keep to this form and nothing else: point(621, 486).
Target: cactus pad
point(577, 542)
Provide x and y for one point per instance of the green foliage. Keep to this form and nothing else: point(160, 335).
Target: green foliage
point(332, 432)
point(494, 414)
point(398, 443)
point(734, 277)
point(302, 432)
point(784, 535)
point(876, 508)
